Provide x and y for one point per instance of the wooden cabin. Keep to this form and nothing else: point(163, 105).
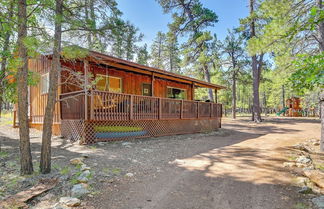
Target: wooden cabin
point(103, 98)
point(294, 107)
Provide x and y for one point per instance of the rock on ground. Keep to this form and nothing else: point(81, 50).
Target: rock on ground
point(319, 202)
point(70, 201)
point(79, 190)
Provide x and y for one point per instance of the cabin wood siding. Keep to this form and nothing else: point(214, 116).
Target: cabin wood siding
point(132, 83)
point(38, 100)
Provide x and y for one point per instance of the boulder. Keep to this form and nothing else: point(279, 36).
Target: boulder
point(84, 167)
point(319, 201)
point(303, 160)
point(289, 164)
point(305, 190)
point(76, 161)
point(315, 176)
point(129, 174)
point(78, 190)
point(70, 201)
point(302, 181)
point(84, 176)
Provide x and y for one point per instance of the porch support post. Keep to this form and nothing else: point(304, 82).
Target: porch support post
point(193, 91)
point(160, 108)
point(131, 110)
point(86, 68)
point(215, 95)
point(181, 109)
point(152, 84)
point(91, 106)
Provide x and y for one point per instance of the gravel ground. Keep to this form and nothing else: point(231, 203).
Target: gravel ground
point(240, 166)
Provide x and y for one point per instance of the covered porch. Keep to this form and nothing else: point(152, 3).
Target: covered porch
point(91, 116)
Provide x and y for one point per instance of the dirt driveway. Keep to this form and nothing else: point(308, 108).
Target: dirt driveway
point(239, 167)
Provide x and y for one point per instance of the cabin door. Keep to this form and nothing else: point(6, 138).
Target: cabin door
point(147, 89)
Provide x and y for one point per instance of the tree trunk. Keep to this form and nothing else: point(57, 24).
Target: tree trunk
point(234, 97)
point(256, 114)
point(283, 97)
point(321, 46)
point(25, 153)
point(45, 161)
point(321, 28)
point(207, 78)
point(322, 120)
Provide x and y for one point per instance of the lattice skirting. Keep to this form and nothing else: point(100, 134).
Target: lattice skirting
point(89, 132)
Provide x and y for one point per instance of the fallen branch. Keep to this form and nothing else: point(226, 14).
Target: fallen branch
point(19, 200)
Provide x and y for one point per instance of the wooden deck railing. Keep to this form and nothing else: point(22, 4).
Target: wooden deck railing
point(120, 107)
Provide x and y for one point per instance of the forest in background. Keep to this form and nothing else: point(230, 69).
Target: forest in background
point(275, 53)
point(285, 30)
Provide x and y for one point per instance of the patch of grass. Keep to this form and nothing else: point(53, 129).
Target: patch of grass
point(320, 166)
point(65, 170)
point(116, 171)
point(4, 154)
point(92, 147)
point(292, 158)
point(56, 167)
point(301, 206)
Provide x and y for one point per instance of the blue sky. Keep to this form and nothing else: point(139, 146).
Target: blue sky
point(148, 16)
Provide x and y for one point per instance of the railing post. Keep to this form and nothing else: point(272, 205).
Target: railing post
point(91, 106)
point(211, 109)
point(197, 109)
point(160, 108)
point(181, 109)
point(131, 110)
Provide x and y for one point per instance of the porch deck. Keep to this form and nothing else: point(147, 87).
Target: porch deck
point(105, 116)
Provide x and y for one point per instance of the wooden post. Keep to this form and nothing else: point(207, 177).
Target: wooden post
point(211, 109)
point(131, 110)
point(91, 106)
point(86, 66)
point(181, 109)
point(215, 95)
point(160, 108)
point(152, 84)
point(197, 109)
point(193, 91)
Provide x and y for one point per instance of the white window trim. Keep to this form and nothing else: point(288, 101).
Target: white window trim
point(44, 77)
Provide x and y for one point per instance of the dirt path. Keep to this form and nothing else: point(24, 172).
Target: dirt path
point(239, 167)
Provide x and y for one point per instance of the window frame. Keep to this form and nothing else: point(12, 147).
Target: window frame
point(171, 87)
point(108, 82)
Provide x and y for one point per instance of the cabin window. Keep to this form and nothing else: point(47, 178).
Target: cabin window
point(176, 93)
point(44, 83)
point(147, 89)
point(109, 83)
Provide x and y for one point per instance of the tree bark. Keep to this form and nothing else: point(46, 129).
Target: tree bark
point(45, 161)
point(234, 97)
point(25, 153)
point(320, 28)
point(322, 120)
point(321, 46)
point(256, 71)
point(207, 78)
